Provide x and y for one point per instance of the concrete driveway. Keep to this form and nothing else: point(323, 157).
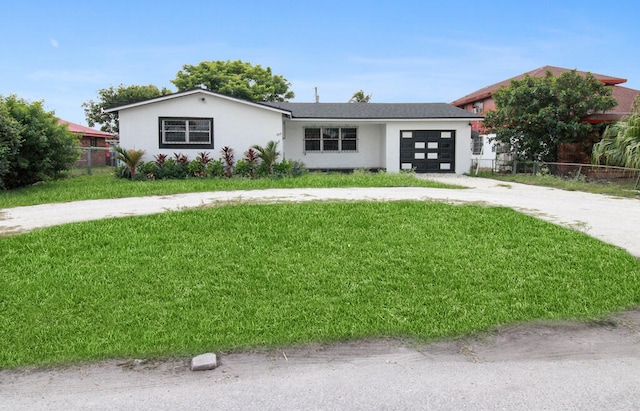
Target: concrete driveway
point(611, 219)
point(530, 366)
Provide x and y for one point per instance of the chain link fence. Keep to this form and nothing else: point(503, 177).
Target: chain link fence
point(92, 157)
point(626, 177)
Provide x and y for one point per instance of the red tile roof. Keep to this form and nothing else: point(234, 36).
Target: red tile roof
point(84, 131)
point(486, 92)
point(625, 98)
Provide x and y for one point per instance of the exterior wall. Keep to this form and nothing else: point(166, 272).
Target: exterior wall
point(369, 154)
point(487, 105)
point(488, 156)
point(462, 148)
point(98, 157)
point(235, 124)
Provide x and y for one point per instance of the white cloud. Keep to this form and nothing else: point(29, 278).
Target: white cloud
point(54, 42)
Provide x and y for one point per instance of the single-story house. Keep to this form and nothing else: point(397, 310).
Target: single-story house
point(93, 142)
point(426, 137)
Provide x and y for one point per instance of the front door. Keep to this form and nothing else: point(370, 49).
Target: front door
point(428, 151)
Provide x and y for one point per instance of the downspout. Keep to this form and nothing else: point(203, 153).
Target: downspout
point(284, 136)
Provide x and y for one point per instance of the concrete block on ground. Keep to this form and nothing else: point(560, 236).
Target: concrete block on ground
point(204, 362)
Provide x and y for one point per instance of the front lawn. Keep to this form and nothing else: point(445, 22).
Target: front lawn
point(105, 185)
point(247, 276)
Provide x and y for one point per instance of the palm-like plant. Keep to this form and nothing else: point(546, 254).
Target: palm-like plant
point(360, 97)
point(268, 154)
point(131, 159)
point(620, 144)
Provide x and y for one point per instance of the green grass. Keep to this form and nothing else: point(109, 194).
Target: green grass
point(104, 185)
point(247, 276)
point(622, 190)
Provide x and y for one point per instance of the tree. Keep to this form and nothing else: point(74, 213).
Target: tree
point(360, 97)
point(10, 141)
point(33, 146)
point(234, 78)
point(111, 97)
point(620, 144)
point(537, 114)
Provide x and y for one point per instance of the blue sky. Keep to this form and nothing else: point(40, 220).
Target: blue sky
point(398, 51)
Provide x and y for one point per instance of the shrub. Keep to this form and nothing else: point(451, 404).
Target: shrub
point(215, 168)
point(251, 156)
point(148, 170)
point(243, 168)
point(131, 160)
point(197, 169)
point(289, 169)
point(33, 146)
point(229, 162)
point(268, 154)
point(172, 169)
point(160, 159)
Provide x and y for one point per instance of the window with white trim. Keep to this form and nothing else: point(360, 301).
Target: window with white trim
point(477, 141)
point(185, 132)
point(330, 139)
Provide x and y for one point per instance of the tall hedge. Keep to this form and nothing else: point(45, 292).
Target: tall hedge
point(33, 146)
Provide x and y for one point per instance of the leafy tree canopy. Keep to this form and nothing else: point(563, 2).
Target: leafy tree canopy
point(234, 78)
point(360, 97)
point(33, 146)
point(111, 97)
point(537, 114)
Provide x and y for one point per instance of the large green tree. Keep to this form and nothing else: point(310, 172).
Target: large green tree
point(535, 115)
point(33, 146)
point(235, 78)
point(111, 97)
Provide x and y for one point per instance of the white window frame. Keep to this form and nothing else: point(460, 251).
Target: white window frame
point(187, 143)
point(341, 138)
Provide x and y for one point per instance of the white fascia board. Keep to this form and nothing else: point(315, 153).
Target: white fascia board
point(191, 92)
point(383, 120)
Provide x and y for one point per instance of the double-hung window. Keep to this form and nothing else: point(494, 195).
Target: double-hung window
point(330, 139)
point(187, 132)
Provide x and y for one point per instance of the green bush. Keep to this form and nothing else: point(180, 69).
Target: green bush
point(33, 146)
point(178, 167)
point(289, 168)
point(149, 170)
point(243, 169)
point(172, 169)
point(197, 168)
point(215, 168)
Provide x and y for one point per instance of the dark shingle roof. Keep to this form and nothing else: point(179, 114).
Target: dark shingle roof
point(373, 110)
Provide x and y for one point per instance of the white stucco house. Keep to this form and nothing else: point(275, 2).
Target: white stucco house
point(427, 137)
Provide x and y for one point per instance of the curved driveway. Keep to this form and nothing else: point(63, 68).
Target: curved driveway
point(611, 219)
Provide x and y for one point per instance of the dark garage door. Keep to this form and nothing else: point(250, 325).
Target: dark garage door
point(428, 151)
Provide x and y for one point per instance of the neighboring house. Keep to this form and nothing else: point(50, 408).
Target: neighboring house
point(427, 137)
point(91, 138)
point(481, 101)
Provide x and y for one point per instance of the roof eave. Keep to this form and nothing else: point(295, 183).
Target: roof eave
point(191, 92)
point(383, 119)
